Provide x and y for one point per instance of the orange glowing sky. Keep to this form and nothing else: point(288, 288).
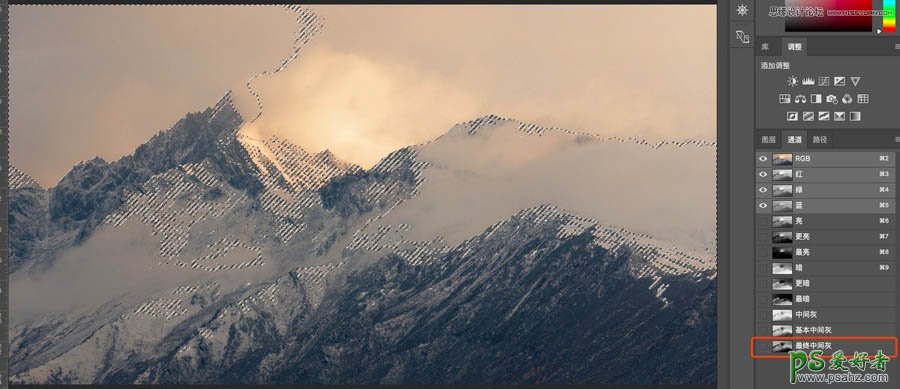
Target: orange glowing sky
point(106, 78)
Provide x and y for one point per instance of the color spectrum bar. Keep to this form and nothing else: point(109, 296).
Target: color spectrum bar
point(889, 19)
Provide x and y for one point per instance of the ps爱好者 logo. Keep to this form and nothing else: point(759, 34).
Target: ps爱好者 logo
point(841, 367)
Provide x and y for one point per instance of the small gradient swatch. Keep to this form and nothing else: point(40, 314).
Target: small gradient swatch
point(831, 20)
point(889, 18)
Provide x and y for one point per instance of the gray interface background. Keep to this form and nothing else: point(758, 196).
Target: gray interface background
point(848, 200)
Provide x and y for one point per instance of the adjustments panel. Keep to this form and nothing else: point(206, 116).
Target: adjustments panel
point(821, 118)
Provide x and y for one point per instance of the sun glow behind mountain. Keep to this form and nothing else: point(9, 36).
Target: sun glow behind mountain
point(356, 107)
point(381, 78)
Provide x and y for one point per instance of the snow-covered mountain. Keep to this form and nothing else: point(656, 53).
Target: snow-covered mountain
point(500, 252)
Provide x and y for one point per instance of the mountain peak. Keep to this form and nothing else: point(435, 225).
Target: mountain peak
point(225, 106)
point(282, 163)
point(486, 124)
point(486, 121)
point(18, 179)
point(194, 137)
point(92, 189)
point(472, 127)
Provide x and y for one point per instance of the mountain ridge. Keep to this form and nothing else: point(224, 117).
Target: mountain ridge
point(288, 280)
point(436, 322)
point(93, 189)
point(476, 126)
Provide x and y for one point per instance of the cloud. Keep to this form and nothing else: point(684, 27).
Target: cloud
point(360, 108)
point(378, 78)
point(384, 77)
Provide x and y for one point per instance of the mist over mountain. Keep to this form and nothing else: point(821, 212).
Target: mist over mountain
point(500, 252)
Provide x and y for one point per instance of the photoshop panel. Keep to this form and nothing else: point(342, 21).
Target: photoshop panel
point(647, 194)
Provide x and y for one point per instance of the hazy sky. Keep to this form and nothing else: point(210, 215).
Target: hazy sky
point(105, 78)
